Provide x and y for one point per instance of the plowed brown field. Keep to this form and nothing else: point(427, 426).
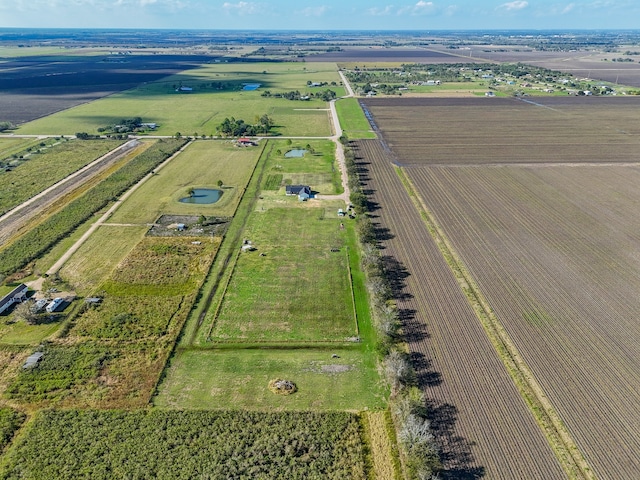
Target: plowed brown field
point(445, 131)
point(540, 202)
point(481, 419)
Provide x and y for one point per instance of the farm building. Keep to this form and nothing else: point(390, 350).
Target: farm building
point(16, 295)
point(33, 360)
point(54, 304)
point(245, 142)
point(303, 191)
point(184, 89)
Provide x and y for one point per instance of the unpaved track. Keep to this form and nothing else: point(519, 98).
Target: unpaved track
point(14, 219)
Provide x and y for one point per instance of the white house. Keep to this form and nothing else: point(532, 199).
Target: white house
point(16, 295)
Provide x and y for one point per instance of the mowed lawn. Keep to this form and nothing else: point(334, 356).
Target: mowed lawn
point(239, 378)
point(298, 291)
point(352, 120)
point(201, 165)
point(217, 93)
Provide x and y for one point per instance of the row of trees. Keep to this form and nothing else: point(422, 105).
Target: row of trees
point(325, 95)
point(419, 450)
point(230, 127)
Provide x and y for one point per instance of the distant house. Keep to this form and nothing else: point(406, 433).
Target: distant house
point(245, 142)
point(489, 94)
point(150, 126)
point(431, 83)
point(55, 303)
point(16, 295)
point(303, 191)
point(184, 89)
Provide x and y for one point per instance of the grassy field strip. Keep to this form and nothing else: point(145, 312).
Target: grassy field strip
point(384, 449)
point(353, 295)
point(352, 120)
point(223, 256)
point(565, 448)
point(216, 312)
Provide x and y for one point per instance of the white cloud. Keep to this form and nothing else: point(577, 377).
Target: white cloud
point(314, 11)
point(514, 6)
point(420, 8)
point(379, 11)
point(243, 8)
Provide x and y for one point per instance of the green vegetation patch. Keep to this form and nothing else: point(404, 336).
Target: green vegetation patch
point(129, 317)
point(38, 171)
point(10, 421)
point(299, 290)
point(188, 444)
point(166, 261)
point(60, 370)
point(219, 378)
point(352, 120)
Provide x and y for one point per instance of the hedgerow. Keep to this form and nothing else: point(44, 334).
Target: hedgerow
point(44, 236)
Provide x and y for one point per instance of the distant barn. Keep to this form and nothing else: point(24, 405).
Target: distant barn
point(16, 295)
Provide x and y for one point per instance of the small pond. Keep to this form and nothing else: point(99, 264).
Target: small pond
point(296, 153)
point(203, 196)
point(251, 86)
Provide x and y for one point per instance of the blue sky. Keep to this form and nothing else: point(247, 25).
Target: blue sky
point(322, 14)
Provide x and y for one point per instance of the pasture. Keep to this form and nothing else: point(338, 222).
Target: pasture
point(277, 297)
point(217, 93)
point(347, 382)
point(99, 255)
point(201, 165)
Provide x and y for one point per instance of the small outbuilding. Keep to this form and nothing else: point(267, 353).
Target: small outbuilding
point(54, 304)
point(33, 360)
point(17, 295)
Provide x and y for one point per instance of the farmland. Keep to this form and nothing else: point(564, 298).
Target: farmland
point(217, 93)
point(34, 86)
point(354, 124)
point(450, 349)
point(536, 203)
point(201, 165)
point(43, 169)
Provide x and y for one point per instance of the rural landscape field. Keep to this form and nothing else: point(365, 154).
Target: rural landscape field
point(269, 256)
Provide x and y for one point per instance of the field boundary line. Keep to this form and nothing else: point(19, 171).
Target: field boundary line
point(353, 295)
point(564, 447)
point(223, 294)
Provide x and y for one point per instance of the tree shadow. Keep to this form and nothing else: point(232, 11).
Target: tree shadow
point(423, 367)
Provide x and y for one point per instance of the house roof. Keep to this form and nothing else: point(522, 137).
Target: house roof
point(298, 189)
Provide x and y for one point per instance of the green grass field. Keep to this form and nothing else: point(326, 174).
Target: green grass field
point(201, 165)
point(202, 109)
point(352, 120)
point(238, 378)
point(21, 333)
point(9, 146)
point(299, 291)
